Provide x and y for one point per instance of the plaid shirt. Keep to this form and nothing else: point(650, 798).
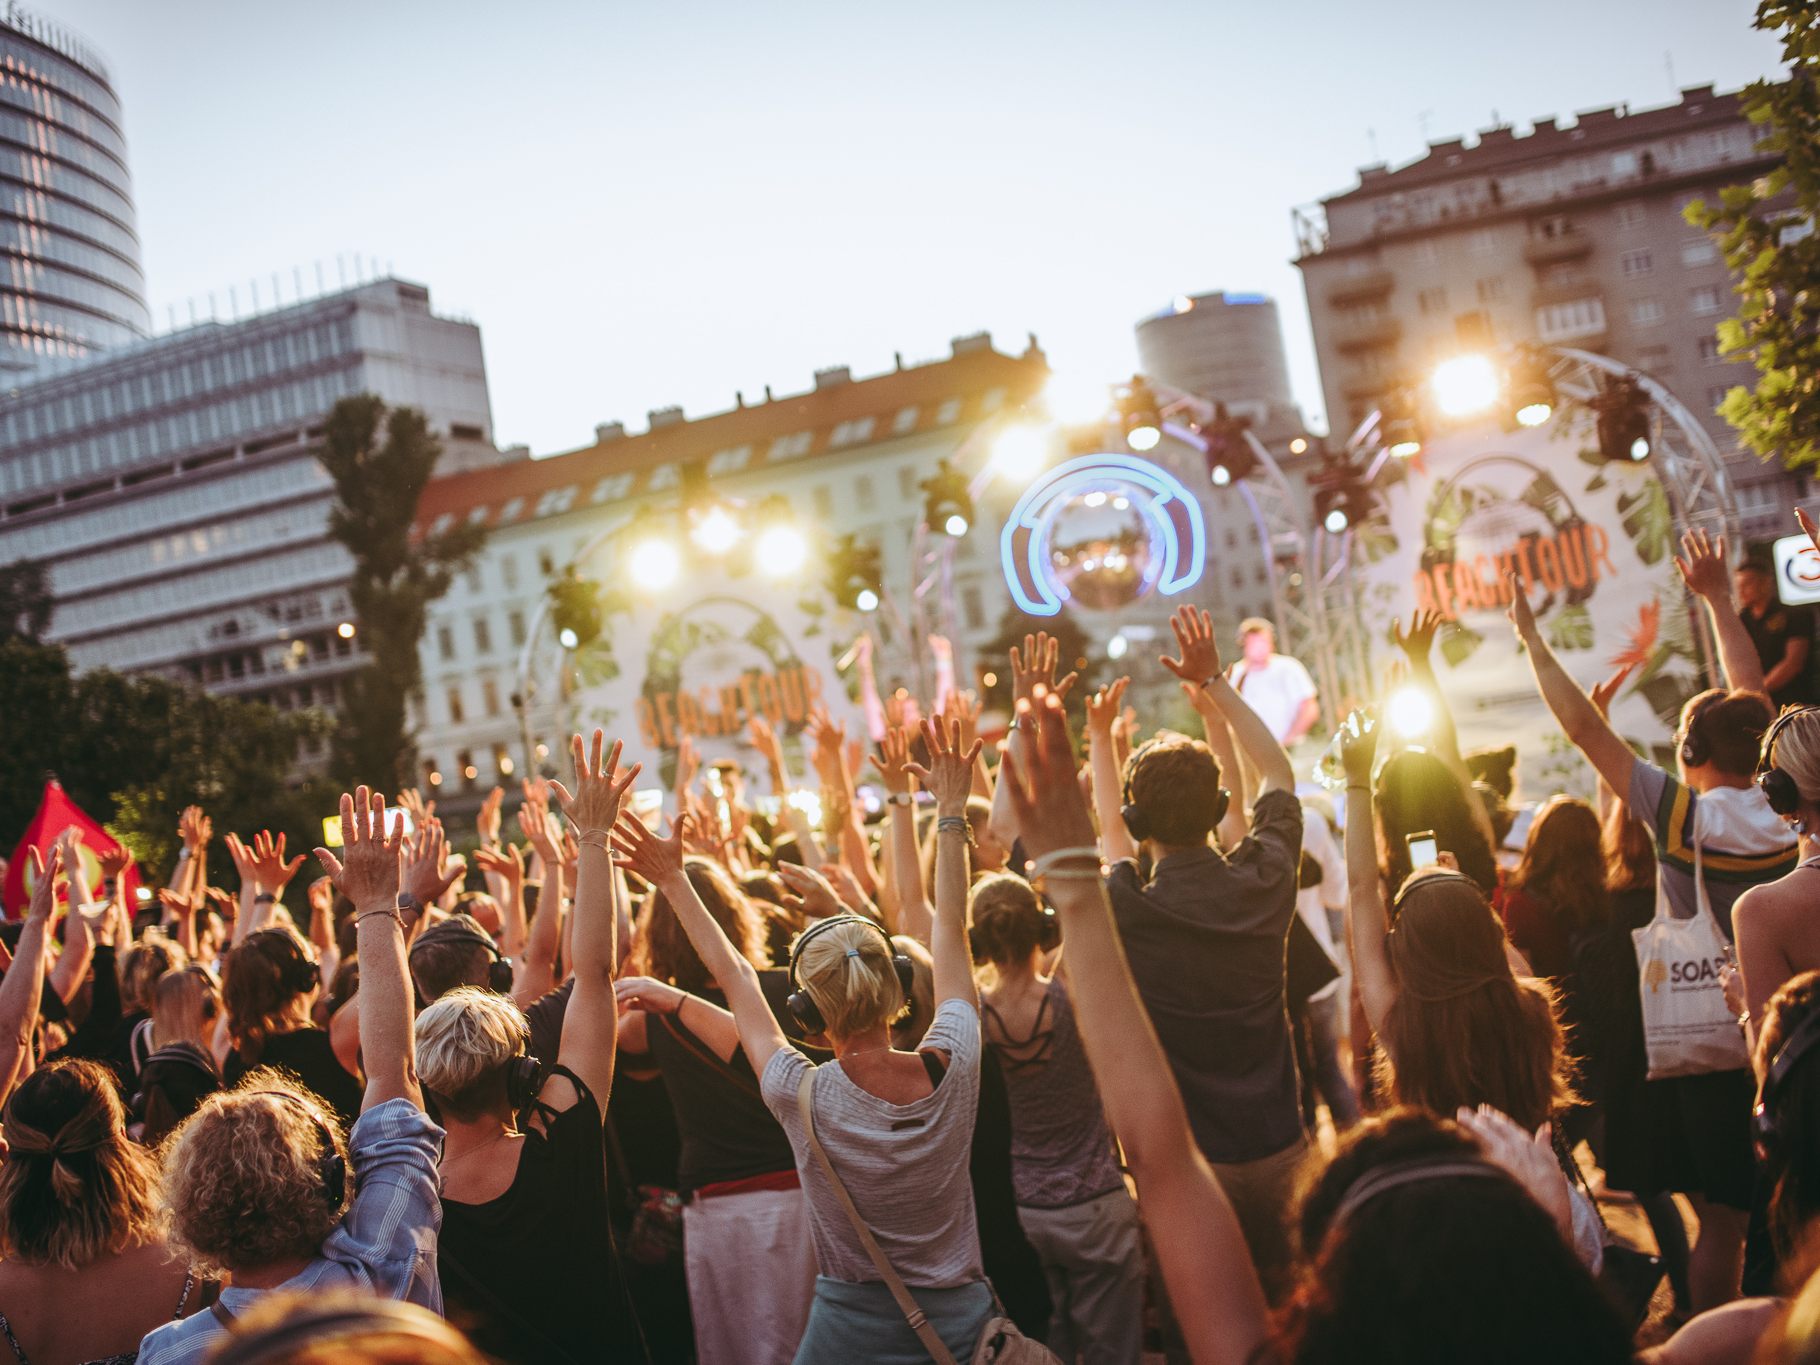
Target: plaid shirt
point(386, 1245)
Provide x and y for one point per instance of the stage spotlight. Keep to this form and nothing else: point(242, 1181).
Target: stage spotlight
point(780, 548)
point(1075, 400)
point(574, 609)
point(1341, 500)
point(567, 638)
point(1138, 413)
point(1623, 411)
point(866, 600)
point(947, 503)
point(855, 579)
point(1410, 712)
point(654, 562)
point(1020, 453)
point(1336, 520)
point(716, 530)
point(1465, 385)
point(1532, 389)
point(1117, 647)
point(1401, 432)
point(1229, 455)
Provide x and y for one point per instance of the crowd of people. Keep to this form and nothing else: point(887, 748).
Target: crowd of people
point(1082, 1048)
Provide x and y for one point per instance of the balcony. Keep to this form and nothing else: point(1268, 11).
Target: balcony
point(1361, 334)
point(1368, 284)
point(1553, 246)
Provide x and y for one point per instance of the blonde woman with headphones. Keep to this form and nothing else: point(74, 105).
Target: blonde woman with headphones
point(1778, 936)
point(883, 1156)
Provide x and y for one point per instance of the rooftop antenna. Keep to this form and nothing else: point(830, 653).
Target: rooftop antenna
point(1371, 137)
point(1668, 64)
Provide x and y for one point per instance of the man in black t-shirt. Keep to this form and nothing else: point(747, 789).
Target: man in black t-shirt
point(1783, 635)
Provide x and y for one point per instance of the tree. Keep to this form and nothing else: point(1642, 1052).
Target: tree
point(1767, 232)
point(25, 601)
point(380, 460)
point(134, 751)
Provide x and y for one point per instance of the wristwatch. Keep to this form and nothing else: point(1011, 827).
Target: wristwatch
point(901, 799)
point(410, 909)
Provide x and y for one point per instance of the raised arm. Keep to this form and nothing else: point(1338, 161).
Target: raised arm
point(1589, 731)
point(1218, 733)
point(24, 980)
point(1367, 924)
point(765, 740)
point(368, 873)
point(906, 879)
point(536, 973)
point(1199, 663)
point(505, 872)
point(1031, 667)
point(1212, 1283)
point(949, 778)
point(660, 862)
point(642, 995)
point(1103, 709)
point(1417, 644)
point(1702, 566)
point(590, 1026)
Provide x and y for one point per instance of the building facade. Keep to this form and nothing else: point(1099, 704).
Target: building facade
point(1226, 348)
point(173, 493)
point(70, 277)
point(1571, 234)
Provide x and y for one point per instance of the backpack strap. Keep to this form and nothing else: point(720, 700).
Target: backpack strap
point(907, 1305)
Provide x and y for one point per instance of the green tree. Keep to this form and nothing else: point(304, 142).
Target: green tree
point(380, 461)
point(1767, 232)
point(25, 601)
point(134, 751)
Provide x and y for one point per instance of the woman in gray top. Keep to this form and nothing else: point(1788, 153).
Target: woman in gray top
point(895, 1125)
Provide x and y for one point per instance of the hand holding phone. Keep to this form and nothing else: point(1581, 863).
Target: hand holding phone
point(1424, 851)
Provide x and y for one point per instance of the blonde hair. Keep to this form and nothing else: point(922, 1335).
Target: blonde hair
point(1797, 752)
point(243, 1185)
point(184, 1003)
point(74, 1187)
point(144, 964)
point(338, 1326)
point(464, 1041)
point(845, 966)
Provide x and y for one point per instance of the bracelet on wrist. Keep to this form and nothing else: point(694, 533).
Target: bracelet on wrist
point(265, 898)
point(1049, 862)
point(384, 911)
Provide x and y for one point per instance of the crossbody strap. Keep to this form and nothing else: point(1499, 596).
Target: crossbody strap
point(689, 1043)
point(914, 1315)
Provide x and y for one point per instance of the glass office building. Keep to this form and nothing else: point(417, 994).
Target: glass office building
point(70, 277)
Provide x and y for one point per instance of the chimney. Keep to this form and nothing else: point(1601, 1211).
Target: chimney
point(1545, 125)
point(664, 417)
point(608, 431)
point(972, 342)
point(832, 377)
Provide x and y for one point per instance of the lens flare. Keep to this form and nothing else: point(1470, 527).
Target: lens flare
point(654, 563)
point(1465, 385)
point(781, 551)
point(1410, 712)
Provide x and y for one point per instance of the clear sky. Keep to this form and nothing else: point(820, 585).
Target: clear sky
point(655, 203)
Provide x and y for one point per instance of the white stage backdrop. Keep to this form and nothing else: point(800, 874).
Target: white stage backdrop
point(1595, 542)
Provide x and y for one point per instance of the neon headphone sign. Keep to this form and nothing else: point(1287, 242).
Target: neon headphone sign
point(1159, 544)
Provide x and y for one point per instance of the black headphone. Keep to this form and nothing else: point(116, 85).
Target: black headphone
point(331, 1166)
point(802, 1007)
point(499, 970)
point(1776, 785)
point(298, 972)
point(1764, 1123)
point(1136, 823)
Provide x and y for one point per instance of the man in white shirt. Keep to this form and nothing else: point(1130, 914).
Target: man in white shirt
point(1274, 685)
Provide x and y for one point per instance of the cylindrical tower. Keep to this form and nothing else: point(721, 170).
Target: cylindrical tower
point(1226, 348)
point(70, 278)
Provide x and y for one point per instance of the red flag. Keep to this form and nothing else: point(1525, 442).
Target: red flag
point(56, 813)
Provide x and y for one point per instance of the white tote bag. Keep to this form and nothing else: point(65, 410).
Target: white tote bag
point(1687, 1026)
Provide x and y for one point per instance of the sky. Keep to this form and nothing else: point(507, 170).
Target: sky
point(662, 203)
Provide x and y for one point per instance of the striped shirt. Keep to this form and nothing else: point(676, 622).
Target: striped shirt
point(386, 1245)
point(1743, 843)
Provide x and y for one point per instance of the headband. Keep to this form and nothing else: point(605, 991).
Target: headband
point(1399, 1173)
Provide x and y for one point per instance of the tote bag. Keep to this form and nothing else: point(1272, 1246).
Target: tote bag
point(1687, 1026)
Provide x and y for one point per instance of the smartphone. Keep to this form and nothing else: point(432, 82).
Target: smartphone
point(1423, 850)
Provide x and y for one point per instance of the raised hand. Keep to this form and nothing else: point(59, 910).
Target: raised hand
point(411, 799)
point(770, 748)
point(893, 761)
point(44, 888)
point(486, 822)
point(964, 710)
point(1529, 1158)
point(813, 889)
point(428, 869)
point(1522, 615)
point(688, 763)
point(181, 905)
point(114, 861)
point(99, 922)
point(648, 994)
point(1046, 800)
point(652, 858)
point(270, 870)
point(1035, 666)
point(371, 855)
point(507, 861)
point(847, 889)
point(600, 790)
point(246, 865)
point(195, 828)
point(1103, 709)
point(1359, 746)
point(539, 827)
point(1702, 565)
point(1603, 692)
point(949, 776)
point(828, 737)
point(1199, 661)
point(1417, 642)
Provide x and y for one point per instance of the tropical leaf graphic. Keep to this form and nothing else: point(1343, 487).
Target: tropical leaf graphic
point(1647, 521)
point(1571, 628)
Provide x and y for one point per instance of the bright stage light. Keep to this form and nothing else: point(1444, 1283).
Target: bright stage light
point(1076, 400)
point(1144, 436)
point(781, 551)
point(867, 600)
point(716, 532)
point(1465, 385)
point(1298, 446)
point(1336, 520)
point(567, 638)
point(1221, 476)
point(1534, 414)
point(345, 630)
point(1410, 712)
point(654, 563)
point(1117, 647)
point(956, 525)
point(1019, 453)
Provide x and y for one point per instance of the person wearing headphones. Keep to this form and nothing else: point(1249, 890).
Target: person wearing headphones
point(269, 987)
point(1700, 1123)
point(526, 1255)
point(1206, 936)
point(894, 1127)
point(1777, 934)
point(260, 1184)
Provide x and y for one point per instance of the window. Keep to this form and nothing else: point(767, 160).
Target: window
point(1698, 253)
point(456, 715)
point(1426, 253)
point(483, 635)
point(1491, 289)
point(1624, 164)
point(1432, 300)
point(905, 420)
point(790, 447)
point(489, 696)
point(1706, 300)
point(1566, 321)
point(1645, 312)
point(729, 461)
point(556, 501)
point(863, 493)
point(852, 433)
point(445, 643)
point(992, 400)
point(473, 579)
point(508, 571)
point(949, 412)
point(1631, 215)
point(513, 510)
point(1482, 242)
point(906, 481)
point(1709, 350)
point(515, 626)
point(502, 760)
point(545, 564)
point(665, 476)
point(823, 499)
point(1637, 262)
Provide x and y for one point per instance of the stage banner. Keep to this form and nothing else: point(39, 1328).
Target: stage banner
point(1595, 543)
point(701, 660)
